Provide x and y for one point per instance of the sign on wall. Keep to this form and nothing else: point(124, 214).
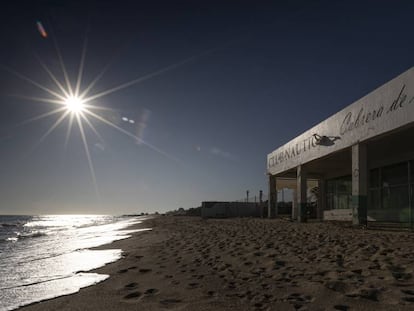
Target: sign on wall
point(387, 108)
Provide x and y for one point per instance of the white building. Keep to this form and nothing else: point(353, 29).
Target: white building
point(362, 158)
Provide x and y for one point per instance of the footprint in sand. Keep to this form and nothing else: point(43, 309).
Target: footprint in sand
point(408, 291)
point(299, 300)
point(193, 285)
point(231, 285)
point(337, 286)
point(131, 285)
point(170, 301)
point(151, 291)
point(133, 295)
point(408, 299)
point(366, 293)
point(211, 293)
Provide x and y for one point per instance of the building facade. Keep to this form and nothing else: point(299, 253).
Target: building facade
point(362, 158)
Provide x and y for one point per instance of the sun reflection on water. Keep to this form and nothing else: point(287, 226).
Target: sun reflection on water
point(54, 263)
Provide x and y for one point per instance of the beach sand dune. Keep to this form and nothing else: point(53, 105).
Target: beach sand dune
point(252, 264)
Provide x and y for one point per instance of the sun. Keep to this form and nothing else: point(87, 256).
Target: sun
point(74, 104)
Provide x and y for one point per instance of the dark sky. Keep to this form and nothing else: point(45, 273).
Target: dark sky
point(257, 74)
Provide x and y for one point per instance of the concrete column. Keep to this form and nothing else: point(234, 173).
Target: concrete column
point(272, 201)
point(321, 198)
point(359, 184)
point(301, 196)
point(294, 205)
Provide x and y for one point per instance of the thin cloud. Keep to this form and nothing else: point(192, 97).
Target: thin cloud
point(222, 153)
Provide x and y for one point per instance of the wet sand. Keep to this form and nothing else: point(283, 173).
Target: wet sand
point(252, 264)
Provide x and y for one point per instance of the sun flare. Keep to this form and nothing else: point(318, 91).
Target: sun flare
point(74, 104)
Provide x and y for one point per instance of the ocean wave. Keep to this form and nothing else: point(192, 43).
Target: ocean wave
point(52, 278)
point(26, 294)
point(36, 234)
point(53, 255)
point(9, 225)
point(11, 239)
point(22, 236)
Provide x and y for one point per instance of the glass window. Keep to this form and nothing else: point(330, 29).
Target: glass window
point(374, 178)
point(374, 199)
point(329, 201)
point(390, 190)
point(395, 175)
point(343, 201)
point(348, 185)
point(339, 193)
point(412, 203)
point(343, 186)
point(329, 186)
point(395, 204)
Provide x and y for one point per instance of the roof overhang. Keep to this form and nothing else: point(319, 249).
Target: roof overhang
point(387, 108)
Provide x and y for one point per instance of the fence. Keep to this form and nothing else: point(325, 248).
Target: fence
point(255, 198)
point(250, 206)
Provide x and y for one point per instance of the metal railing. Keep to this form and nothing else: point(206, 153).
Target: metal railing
point(253, 198)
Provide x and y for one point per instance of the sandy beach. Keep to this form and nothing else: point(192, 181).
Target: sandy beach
point(252, 264)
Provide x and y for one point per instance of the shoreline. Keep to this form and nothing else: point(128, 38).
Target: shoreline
point(187, 263)
point(117, 244)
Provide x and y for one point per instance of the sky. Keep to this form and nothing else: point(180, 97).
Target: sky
point(214, 87)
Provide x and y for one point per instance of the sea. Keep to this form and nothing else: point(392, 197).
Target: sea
point(43, 257)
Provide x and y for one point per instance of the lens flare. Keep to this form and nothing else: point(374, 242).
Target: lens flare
point(41, 29)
